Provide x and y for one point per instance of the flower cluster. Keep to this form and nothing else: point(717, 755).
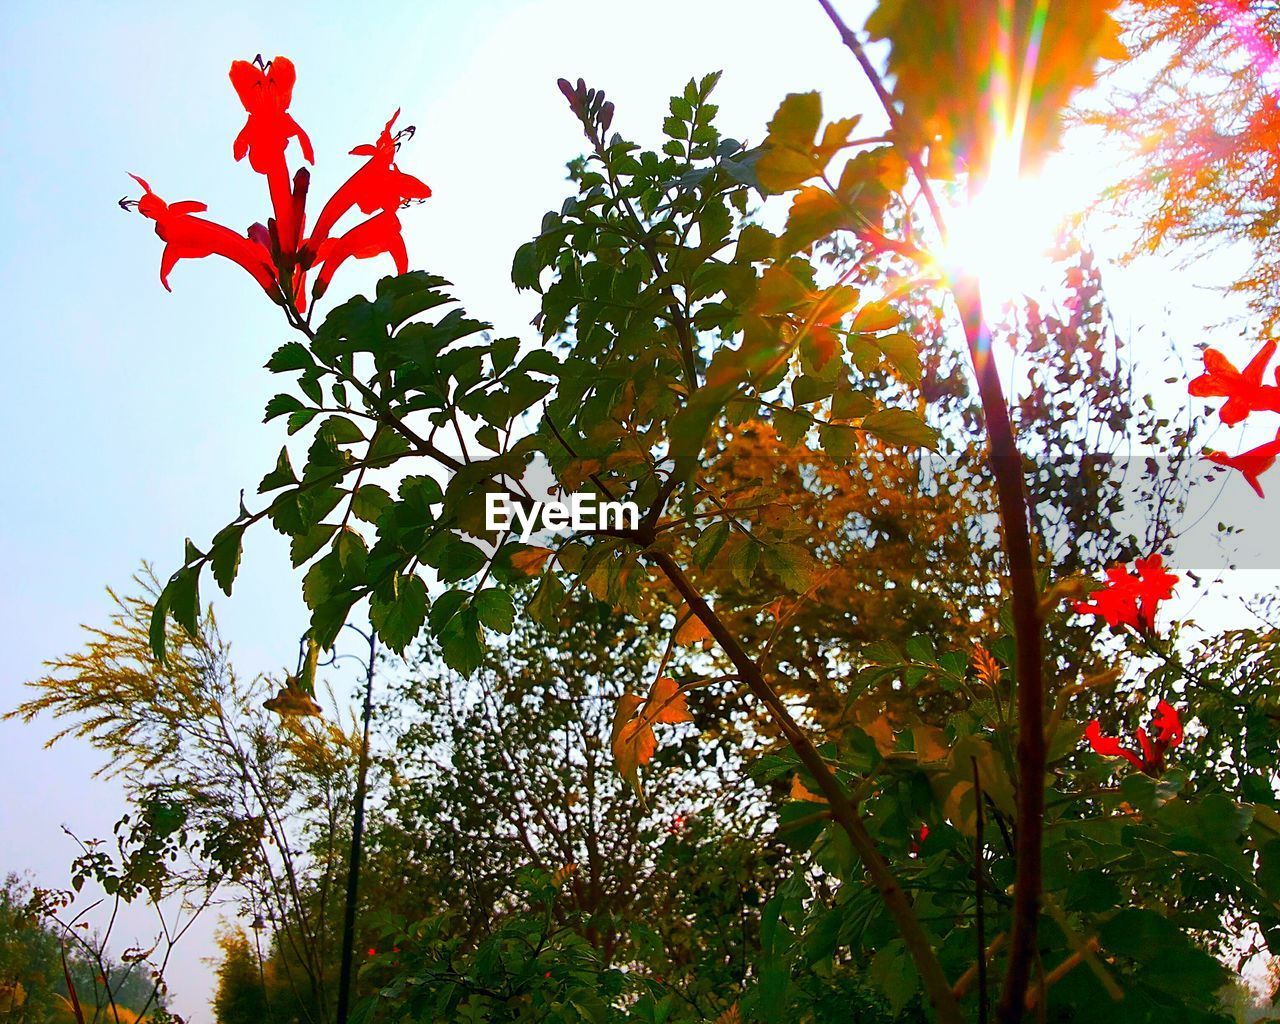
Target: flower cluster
point(1245, 393)
point(1148, 758)
point(281, 253)
point(1131, 598)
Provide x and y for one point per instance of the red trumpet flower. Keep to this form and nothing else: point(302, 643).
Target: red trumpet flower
point(1252, 463)
point(1149, 757)
point(187, 236)
point(1131, 598)
point(369, 238)
point(278, 254)
point(266, 92)
point(1243, 389)
point(377, 186)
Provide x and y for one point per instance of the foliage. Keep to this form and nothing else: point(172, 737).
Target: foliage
point(1201, 131)
point(943, 812)
point(227, 799)
point(33, 984)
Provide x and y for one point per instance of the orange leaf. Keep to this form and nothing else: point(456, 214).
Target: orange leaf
point(530, 560)
point(666, 703)
point(799, 791)
point(632, 742)
point(692, 631)
point(985, 667)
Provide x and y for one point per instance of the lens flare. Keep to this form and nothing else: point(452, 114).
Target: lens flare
point(1005, 232)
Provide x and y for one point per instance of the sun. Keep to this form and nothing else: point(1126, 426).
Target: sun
point(1006, 231)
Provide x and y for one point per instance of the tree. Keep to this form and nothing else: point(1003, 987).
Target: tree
point(971, 826)
point(229, 801)
point(241, 996)
point(1202, 129)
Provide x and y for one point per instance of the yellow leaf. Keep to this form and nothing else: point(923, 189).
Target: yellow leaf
point(930, 743)
point(666, 703)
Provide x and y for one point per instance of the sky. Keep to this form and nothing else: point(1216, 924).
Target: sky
point(132, 416)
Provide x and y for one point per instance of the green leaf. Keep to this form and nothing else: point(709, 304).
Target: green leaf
point(743, 560)
point(461, 643)
point(502, 353)
point(754, 244)
point(399, 620)
point(292, 355)
point(848, 404)
point(159, 622)
point(790, 425)
point(387, 446)
point(224, 555)
point(368, 502)
point(305, 545)
point(496, 609)
point(322, 581)
point(526, 267)
point(792, 565)
point(545, 606)
point(837, 440)
point(281, 476)
point(299, 419)
point(901, 350)
point(902, 428)
point(709, 543)
point(341, 430)
point(444, 608)
point(279, 405)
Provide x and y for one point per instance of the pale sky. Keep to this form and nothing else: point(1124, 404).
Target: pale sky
point(131, 417)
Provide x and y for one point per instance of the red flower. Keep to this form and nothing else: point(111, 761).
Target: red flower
point(1131, 599)
point(1243, 390)
point(189, 237)
point(1149, 757)
point(275, 253)
point(377, 186)
point(266, 92)
point(1252, 463)
point(367, 239)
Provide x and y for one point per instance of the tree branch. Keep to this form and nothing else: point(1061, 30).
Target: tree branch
point(937, 988)
point(1006, 467)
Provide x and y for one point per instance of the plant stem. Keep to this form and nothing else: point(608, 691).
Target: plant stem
point(1006, 467)
point(357, 840)
point(937, 988)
